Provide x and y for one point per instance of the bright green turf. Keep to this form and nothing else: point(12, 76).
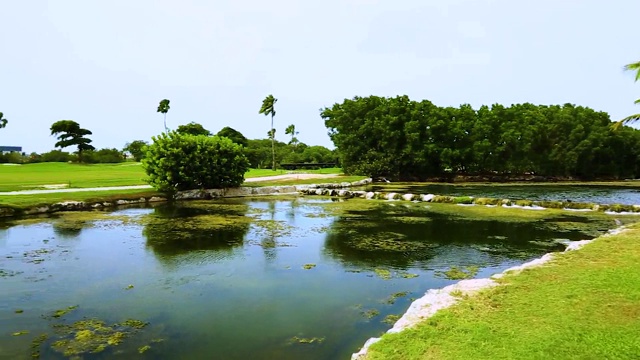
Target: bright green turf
point(34, 176)
point(583, 305)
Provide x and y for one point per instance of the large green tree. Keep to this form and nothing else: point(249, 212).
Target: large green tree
point(409, 140)
point(71, 134)
point(268, 109)
point(176, 162)
point(136, 148)
point(3, 121)
point(193, 128)
point(234, 135)
point(163, 108)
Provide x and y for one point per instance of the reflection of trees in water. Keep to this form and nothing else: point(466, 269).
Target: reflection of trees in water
point(68, 229)
point(402, 238)
point(178, 233)
point(268, 243)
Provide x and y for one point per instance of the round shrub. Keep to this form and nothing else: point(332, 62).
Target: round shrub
point(176, 162)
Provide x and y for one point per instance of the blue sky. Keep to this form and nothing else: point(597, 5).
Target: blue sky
point(107, 65)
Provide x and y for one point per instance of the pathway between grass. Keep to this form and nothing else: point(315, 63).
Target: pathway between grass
point(292, 177)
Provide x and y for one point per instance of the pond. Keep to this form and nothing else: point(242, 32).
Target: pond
point(597, 194)
point(287, 278)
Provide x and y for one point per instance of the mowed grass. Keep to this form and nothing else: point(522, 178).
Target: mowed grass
point(35, 176)
point(26, 201)
point(583, 305)
point(30, 176)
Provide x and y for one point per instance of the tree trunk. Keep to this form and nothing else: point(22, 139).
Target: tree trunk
point(165, 124)
point(273, 145)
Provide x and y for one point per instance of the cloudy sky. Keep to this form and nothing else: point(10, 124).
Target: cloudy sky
point(107, 64)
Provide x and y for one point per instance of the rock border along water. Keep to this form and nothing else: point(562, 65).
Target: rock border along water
point(438, 299)
point(244, 191)
point(613, 209)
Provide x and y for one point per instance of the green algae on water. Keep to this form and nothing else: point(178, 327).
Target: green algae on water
point(457, 273)
point(143, 349)
point(383, 274)
point(62, 312)
point(308, 266)
point(91, 336)
point(392, 299)
point(302, 340)
point(391, 319)
point(371, 313)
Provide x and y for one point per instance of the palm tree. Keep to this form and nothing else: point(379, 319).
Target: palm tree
point(267, 109)
point(291, 130)
point(3, 121)
point(633, 118)
point(163, 108)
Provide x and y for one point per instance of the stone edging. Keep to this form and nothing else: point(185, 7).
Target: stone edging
point(182, 195)
point(617, 209)
point(438, 299)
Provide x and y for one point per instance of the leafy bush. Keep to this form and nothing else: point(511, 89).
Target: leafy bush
point(57, 156)
point(103, 156)
point(176, 162)
point(12, 158)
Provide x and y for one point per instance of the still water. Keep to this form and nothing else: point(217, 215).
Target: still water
point(597, 194)
point(243, 279)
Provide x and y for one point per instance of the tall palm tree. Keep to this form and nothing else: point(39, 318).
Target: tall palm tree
point(633, 118)
point(163, 108)
point(291, 130)
point(267, 109)
point(3, 121)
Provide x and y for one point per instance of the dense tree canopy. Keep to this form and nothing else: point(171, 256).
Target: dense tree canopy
point(136, 148)
point(71, 134)
point(193, 128)
point(176, 162)
point(234, 135)
point(405, 139)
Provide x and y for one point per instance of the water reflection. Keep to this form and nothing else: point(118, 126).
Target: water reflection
point(193, 232)
point(402, 237)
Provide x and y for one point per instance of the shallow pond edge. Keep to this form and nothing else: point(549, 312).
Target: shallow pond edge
point(438, 299)
point(204, 194)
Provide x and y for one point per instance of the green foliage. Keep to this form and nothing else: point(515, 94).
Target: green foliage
point(403, 139)
point(234, 135)
point(193, 128)
point(291, 130)
point(176, 162)
point(136, 148)
point(163, 108)
point(71, 134)
point(104, 156)
point(268, 109)
point(635, 67)
point(56, 156)
point(3, 121)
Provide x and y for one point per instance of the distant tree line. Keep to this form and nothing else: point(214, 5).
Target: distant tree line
point(415, 140)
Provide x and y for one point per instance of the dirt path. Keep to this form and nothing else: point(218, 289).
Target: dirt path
point(107, 188)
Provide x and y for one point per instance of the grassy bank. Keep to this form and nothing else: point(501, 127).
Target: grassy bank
point(582, 305)
point(26, 201)
point(33, 176)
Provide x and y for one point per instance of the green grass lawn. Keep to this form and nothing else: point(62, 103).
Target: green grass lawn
point(583, 305)
point(25, 201)
point(33, 176)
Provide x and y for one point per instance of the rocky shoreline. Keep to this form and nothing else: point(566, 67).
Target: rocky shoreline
point(244, 191)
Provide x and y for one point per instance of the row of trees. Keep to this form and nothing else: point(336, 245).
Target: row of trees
point(405, 139)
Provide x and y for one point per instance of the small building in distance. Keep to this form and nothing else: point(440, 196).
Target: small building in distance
point(10, 149)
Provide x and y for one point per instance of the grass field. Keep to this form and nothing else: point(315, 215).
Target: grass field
point(25, 201)
point(34, 176)
point(582, 305)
